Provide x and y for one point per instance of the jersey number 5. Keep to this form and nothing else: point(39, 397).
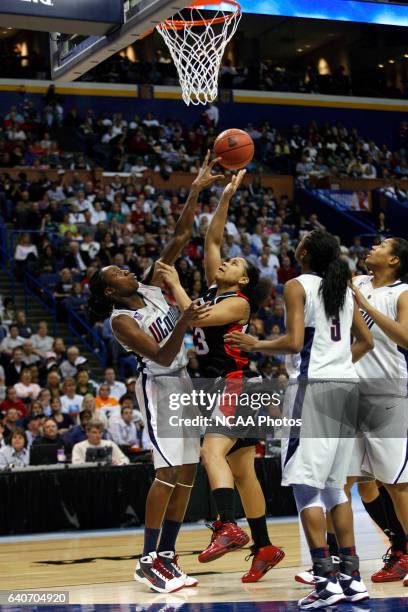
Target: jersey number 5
point(200, 344)
point(335, 332)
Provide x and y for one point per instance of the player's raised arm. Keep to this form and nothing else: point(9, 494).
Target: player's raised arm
point(363, 338)
point(215, 232)
point(233, 309)
point(183, 230)
point(292, 340)
point(128, 332)
point(397, 330)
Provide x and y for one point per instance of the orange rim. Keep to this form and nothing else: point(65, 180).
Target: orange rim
point(179, 24)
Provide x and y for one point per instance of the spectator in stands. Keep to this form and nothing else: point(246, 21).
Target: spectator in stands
point(63, 289)
point(123, 430)
point(13, 402)
point(50, 435)
point(54, 383)
point(84, 385)
point(94, 431)
point(64, 421)
point(41, 341)
point(78, 432)
point(11, 341)
point(16, 452)
point(76, 260)
point(15, 366)
point(10, 423)
point(105, 404)
point(25, 251)
point(34, 427)
point(30, 355)
point(68, 367)
point(286, 271)
point(59, 349)
point(24, 330)
point(116, 387)
point(25, 388)
point(45, 400)
point(70, 400)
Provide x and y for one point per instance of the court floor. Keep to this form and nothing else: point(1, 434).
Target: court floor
point(97, 568)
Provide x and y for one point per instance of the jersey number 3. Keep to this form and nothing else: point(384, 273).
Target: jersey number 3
point(200, 344)
point(335, 332)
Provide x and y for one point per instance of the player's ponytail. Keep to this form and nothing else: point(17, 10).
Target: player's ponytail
point(257, 290)
point(323, 254)
point(99, 304)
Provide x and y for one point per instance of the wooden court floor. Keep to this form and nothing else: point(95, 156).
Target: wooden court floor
point(98, 568)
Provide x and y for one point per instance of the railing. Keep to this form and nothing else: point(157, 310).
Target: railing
point(35, 289)
point(80, 329)
point(4, 257)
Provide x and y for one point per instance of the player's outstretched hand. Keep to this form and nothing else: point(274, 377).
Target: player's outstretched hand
point(362, 302)
point(167, 274)
point(242, 341)
point(196, 312)
point(205, 177)
point(231, 189)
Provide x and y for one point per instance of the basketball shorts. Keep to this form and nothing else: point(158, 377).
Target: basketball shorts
point(152, 393)
point(381, 449)
point(318, 451)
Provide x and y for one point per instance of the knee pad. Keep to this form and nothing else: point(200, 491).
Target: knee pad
point(307, 497)
point(333, 497)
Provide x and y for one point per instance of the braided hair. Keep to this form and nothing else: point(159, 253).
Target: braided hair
point(323, 255)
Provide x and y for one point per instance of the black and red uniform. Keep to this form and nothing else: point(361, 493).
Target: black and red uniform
point(216, 358)
point(219, 361)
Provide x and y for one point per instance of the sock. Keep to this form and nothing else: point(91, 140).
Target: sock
point(224, 501)
point(320, 553)
point(151, 537)
point(332, 544)
point(169, 533)
point(259, 531)
point(322, 562)
point(349, 561)
point(393, 529)
point(349, 551)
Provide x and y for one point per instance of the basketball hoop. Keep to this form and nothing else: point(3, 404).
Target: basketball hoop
point(197, 44)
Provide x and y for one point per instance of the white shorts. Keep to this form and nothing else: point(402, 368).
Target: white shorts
point(319, 455)
point(152, 395)
point(378, 452)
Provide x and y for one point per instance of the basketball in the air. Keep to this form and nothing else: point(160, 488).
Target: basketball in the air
point(235, 148)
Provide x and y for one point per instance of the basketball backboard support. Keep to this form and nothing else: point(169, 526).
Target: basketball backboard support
point(72, 55)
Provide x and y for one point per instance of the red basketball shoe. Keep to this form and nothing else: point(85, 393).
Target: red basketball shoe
point(394, 567)
point(264, 559)
point(225, 538)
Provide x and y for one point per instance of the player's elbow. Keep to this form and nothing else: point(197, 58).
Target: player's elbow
point(295, 346)
point(369, 343)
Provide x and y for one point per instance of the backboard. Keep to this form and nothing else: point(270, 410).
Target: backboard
point(72, 55)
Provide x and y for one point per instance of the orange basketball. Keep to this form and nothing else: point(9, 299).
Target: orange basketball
point(235, 148)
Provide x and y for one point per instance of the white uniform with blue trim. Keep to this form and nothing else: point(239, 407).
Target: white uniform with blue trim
point(323, 394)
point(382, 452)
point(171, 446)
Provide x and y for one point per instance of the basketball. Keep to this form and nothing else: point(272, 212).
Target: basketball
point(235, 148)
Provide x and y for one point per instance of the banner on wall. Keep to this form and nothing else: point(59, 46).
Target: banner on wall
point(359, 201)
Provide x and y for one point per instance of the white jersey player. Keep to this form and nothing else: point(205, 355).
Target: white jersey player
point(145, 324)
point(383, 449)
point(320, 318)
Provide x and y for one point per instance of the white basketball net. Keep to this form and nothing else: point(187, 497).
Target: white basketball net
point(197, 50)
